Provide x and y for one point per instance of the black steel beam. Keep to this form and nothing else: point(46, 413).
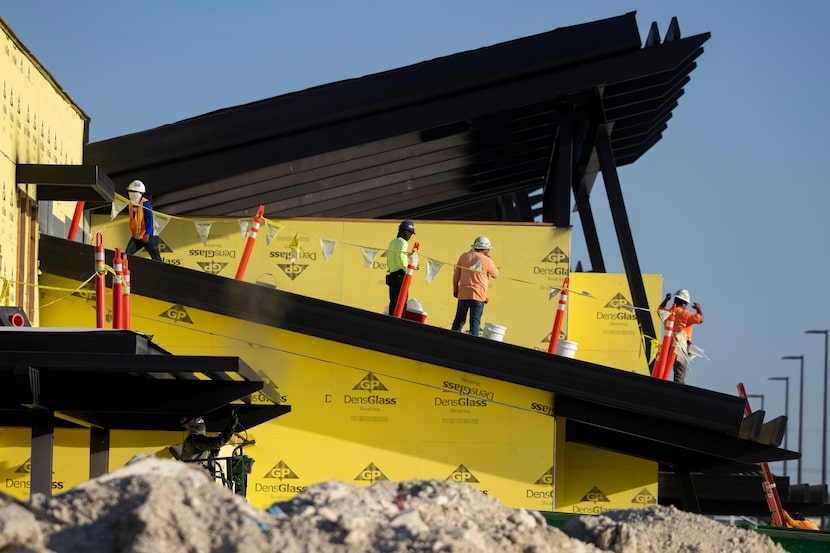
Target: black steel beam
point(624, 238)
point(84, 183)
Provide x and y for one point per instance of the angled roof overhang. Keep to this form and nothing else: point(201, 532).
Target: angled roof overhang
point(467, 136)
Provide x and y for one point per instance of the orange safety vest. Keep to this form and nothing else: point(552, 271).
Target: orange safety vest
point(137, 223)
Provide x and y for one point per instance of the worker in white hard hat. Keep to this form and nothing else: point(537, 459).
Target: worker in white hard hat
point(470, 283)
point(143, 234)
point(684, 322)
point(397, 259)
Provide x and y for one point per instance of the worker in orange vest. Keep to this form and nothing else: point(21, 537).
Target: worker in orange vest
point(143, 234)
point(684, 322)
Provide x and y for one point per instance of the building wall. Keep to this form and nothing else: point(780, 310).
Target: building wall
point(39, 124)
point(360, 416)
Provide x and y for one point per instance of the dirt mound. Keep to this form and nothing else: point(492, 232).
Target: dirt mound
point(159, 505)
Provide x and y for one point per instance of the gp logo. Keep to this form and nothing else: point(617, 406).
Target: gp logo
point(644, 498)
point(618, 302)
point(370, 383)
point(87, 295)
point(281, 471)
point(292, 270)
point(176, 313)
point(462, 474)
point(595, 496)
point(25, 468)
point(546, 479)
point(371, 473)
point(211, 267)
point(556, 255)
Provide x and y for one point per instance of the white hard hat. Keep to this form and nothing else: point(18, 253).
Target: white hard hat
point(481, 243)
point(136, 186)
point(196, 426)
point(682, 295)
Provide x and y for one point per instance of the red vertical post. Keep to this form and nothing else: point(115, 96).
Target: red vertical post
point(100, 283)
point(407, 279)
point(249, 244)
point(125, 302)
point(661, 368)
point(76, 220)
point(117, 289)
point(560, 314)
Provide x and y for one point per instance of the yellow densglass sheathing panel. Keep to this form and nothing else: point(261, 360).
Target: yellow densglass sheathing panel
point(591, 480)
point(357, 415)
point(39, 124)
point(604, 323)
point(70, 465)
point(291, 255)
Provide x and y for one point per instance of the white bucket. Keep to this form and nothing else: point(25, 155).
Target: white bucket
point(494, 332)
point(566, 348)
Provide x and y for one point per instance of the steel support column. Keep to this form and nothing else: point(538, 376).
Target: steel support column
point(556, 207)
point(43, 442)
point(99, 451)
point(608, 167)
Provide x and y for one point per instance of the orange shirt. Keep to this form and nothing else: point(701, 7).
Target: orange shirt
point(471, 276)
point(684, 321)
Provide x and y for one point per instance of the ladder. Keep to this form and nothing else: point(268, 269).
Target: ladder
point(769, 487)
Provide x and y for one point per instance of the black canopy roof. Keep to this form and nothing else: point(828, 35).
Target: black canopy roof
point(470, 136)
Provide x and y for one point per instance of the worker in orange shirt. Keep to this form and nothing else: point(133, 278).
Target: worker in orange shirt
point(470, 281)
point(684, 322)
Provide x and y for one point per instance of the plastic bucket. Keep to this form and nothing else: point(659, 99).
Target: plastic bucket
point(566, 348)
point(494, 332)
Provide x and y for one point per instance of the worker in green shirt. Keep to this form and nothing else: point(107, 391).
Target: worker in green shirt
point(397, 257)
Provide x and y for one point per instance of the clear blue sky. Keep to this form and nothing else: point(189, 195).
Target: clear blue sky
point(730, 204)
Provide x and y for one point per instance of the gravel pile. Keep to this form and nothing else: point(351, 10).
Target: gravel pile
point(163, 506)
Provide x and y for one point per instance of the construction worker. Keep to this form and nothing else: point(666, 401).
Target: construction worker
point(397, 258)
point(197, 446)
point(470, 282)
point(143, 233)
point(684, 322)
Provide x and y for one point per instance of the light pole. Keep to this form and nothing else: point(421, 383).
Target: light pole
point(786, 380)
point(800, 411)
point(760, 396)
point(824, 415)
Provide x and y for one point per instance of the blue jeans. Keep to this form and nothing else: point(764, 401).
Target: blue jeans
point(476, 308)
point(152, 247)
